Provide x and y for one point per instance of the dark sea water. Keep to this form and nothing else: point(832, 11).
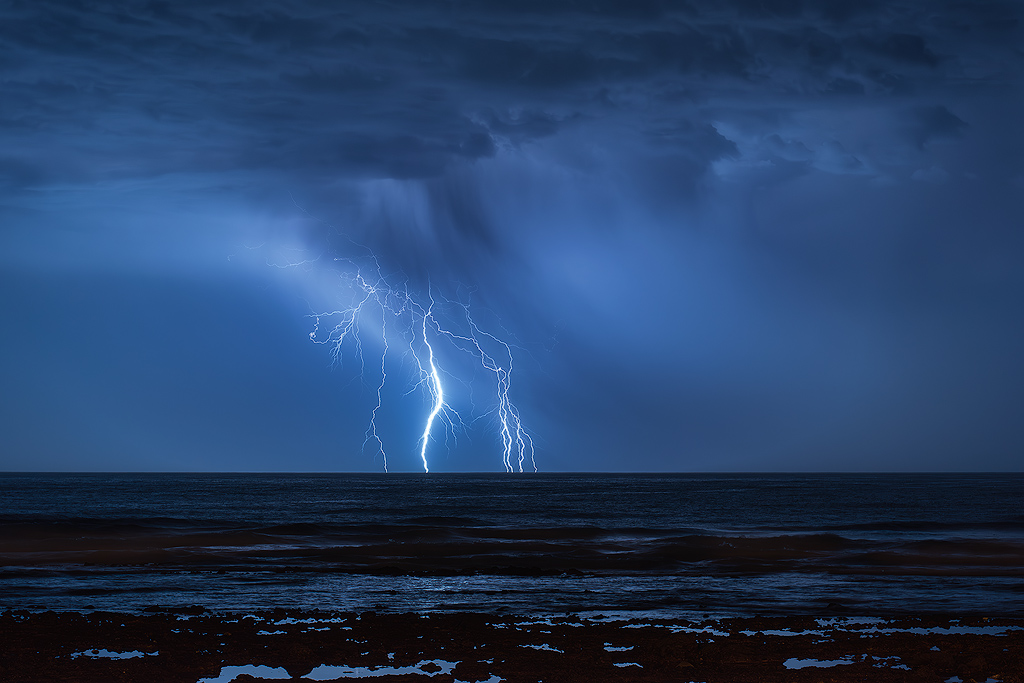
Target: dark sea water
point(667, 545)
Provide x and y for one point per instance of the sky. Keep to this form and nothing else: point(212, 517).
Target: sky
point(739, 235)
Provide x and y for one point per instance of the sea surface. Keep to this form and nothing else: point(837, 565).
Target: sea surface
point(665, 545)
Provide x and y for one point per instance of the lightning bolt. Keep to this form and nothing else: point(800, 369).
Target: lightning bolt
point(421, 328)
point(371, 430)
point(516, 442)
point(435, 390)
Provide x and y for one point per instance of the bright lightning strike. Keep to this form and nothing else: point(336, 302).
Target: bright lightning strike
point(436, 391)
point(423, 330)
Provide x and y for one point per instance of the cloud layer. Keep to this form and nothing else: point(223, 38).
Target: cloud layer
point(729, 234)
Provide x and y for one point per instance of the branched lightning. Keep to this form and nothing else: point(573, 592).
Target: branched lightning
point(426, 335)
point(515, 441)
point(371, 430)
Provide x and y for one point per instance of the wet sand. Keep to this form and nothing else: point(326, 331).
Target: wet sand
point(190, 645)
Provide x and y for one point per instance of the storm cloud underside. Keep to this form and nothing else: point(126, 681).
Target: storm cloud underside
point(739, 235)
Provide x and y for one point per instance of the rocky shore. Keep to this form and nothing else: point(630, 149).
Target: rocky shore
point(192, 645)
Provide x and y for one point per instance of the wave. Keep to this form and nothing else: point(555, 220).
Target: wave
point(458, 545)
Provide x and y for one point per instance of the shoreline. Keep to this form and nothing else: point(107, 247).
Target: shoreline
point(193, 645)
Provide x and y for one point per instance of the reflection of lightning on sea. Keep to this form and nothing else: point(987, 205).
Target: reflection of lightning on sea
point(421, 328)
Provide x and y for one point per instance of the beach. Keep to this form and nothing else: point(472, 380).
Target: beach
point(472, 578)
point(191, 644)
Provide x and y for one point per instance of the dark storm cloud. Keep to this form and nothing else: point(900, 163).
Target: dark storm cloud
point(762, 213)
point(407, 90)
point(935, 123)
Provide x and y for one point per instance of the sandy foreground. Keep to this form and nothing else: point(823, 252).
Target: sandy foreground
point(192, 645)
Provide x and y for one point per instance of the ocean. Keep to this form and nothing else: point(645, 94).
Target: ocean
point(667, 545)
